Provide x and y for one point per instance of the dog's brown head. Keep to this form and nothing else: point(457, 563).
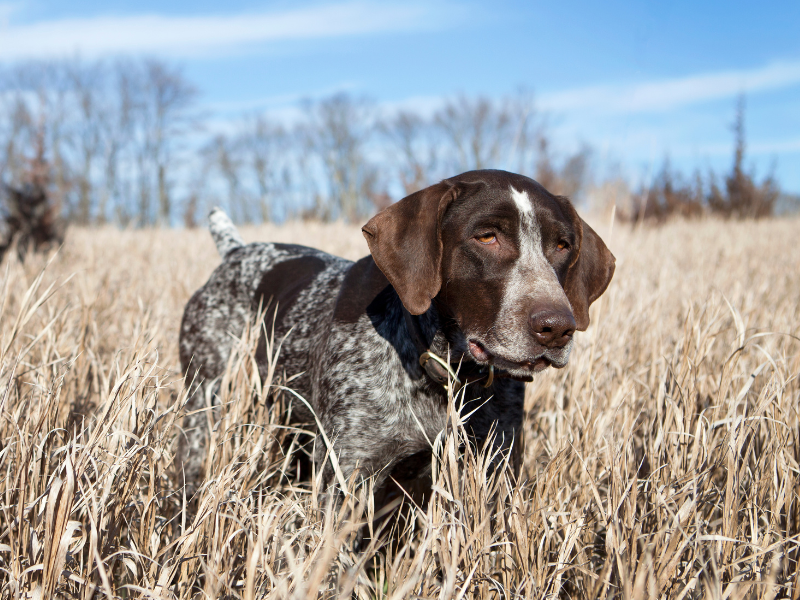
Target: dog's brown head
point(514, 265)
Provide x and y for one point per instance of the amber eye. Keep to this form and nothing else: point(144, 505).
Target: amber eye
point(563, 245)
point(486, 238)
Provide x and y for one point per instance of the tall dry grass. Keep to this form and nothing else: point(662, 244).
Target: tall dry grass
point(661, 463)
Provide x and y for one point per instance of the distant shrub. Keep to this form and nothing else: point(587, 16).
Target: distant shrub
point(741, 198)
point(31, 220)
point(668, 196)
point(29, 216)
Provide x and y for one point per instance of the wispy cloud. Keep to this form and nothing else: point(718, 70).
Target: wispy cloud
point(278, 102)
point(775, 147)
point(669, 94)
point(194, 35)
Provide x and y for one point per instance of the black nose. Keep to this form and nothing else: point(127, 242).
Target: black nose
point(552, 328)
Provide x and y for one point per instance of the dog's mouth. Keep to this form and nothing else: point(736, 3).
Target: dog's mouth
point(522, 370)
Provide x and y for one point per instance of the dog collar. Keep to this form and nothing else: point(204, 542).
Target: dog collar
point(440, 370)
point(434, 364)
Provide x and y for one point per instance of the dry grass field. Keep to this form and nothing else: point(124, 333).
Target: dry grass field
point(661, 463)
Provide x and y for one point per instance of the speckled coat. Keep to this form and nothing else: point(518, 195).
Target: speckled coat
point(347, 333)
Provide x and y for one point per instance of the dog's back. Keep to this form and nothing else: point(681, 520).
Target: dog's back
point(283, 281)
point(288, 282)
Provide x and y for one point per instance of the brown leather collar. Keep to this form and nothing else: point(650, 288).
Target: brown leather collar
point(439, 369)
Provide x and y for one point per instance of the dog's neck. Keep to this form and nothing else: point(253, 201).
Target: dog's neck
point(437, 357)
point(435, 332)
point(366, 289)
point(434, 346)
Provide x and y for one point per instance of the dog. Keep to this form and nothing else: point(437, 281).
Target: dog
point(477, 282)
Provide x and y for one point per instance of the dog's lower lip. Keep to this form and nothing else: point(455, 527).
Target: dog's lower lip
point(534, 365)
point(540, 364)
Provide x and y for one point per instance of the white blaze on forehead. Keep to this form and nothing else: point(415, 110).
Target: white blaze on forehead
point(532, 282)
point(522, 201)
point(530, 237)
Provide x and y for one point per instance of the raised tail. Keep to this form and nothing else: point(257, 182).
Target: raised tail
point(224, 232)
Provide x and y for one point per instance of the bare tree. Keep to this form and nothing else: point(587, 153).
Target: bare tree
point(153, 118)
point(18, 128)
point(38, 113)
point(253, 163)
point(337, 131)
point(89, 126)
point(113, 132)
point(546, 173)
point(169, 96)
point(117, 117)
point(116, 138)
point(528, 131)
point(223, 154)
point(477, 132)
point(480, 133)
point(744, 197)
point(413, 150)
point(264, 146)
point(568, 179)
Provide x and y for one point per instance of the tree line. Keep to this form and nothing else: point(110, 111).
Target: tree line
point(126, 142)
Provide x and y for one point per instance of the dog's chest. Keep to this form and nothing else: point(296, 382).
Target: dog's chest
point(359, 368)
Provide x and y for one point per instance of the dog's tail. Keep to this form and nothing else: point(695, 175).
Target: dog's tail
point(224, 232)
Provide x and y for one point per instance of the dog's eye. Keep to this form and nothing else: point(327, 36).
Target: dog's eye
point(563, 245)
point(486, 238)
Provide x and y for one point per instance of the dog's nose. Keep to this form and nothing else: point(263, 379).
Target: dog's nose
point(552, 328)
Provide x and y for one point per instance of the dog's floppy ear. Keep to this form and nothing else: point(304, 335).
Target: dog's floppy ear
point(406, 243)
point(589, 276)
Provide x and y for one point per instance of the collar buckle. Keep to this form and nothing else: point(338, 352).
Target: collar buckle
point(440, 369)
point(436, 373)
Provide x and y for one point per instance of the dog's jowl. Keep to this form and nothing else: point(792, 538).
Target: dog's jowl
point(487, 268)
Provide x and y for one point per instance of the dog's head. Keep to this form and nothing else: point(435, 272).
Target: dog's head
point(514, 265)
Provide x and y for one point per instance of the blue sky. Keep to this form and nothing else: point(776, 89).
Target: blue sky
point(637, 81)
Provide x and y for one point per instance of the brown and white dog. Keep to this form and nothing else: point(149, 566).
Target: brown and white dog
point(487, 268)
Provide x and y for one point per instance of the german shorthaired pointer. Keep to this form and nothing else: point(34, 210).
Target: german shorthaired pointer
point(486, 274)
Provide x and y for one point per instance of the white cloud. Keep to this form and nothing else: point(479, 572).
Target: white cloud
point(194, 35)
point(766, 149)
point(277, 102)
point(669, 94)
point(776, 146)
